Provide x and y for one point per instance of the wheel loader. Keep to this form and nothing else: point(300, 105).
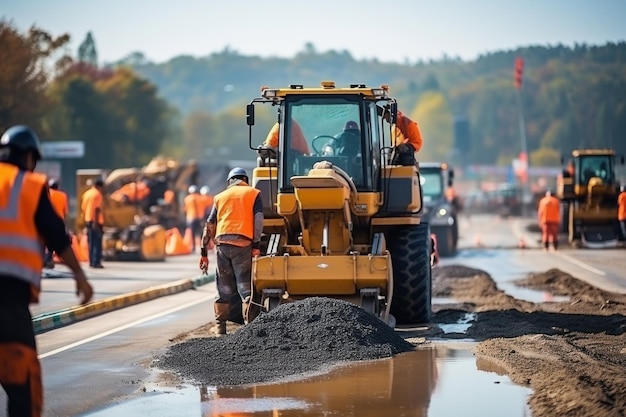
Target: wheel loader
point(134, 230)
point(341, 220)
point(589, 198)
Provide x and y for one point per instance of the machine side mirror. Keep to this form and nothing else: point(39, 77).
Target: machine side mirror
point(250, 114)
point(393, 108)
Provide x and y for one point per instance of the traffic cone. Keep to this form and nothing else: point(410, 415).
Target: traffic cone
point(176, 244)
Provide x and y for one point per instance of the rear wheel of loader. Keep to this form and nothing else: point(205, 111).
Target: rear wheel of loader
point(410, 256)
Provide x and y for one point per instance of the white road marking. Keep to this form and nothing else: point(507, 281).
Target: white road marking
point(580, 264)
point(120, 328)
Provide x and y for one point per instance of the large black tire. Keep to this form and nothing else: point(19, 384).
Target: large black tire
point(410, 257)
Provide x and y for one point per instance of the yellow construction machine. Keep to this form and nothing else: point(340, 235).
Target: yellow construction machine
point(588, 194)
point(341, 220)
point(134, 229)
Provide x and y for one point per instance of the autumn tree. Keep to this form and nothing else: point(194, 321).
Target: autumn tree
point(24, 73)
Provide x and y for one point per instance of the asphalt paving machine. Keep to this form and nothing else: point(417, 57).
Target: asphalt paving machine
point(342, 219)
point(135, 226)
point(589, 198)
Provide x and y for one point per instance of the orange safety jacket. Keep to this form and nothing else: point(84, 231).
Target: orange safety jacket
point(207, 204)
point(59, 202)
point(193, 207)
point(408, 131)
point(21, 246)
point(298, 142)
point(133, 191)
point(549, 210)
point(92, 200)
point(235, 211)
point(621, 206)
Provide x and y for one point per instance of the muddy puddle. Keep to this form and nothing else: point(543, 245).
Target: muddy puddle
point(435, 381)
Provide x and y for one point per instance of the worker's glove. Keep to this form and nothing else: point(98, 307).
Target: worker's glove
point(204, 261)
point(256, 252)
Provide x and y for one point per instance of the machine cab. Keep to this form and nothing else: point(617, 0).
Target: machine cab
point(331, 128)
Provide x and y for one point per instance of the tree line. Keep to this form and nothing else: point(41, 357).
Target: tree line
point(126, 112)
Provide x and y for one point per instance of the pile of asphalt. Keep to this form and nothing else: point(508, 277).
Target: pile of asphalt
point(302, 337)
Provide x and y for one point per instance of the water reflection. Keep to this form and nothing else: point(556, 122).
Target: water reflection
point(439, 381)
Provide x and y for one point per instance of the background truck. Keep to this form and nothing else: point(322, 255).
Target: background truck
point(589, 198)
point(439, 212)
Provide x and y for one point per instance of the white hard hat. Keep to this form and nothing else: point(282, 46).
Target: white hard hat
point(205, 189)
point(192, 189)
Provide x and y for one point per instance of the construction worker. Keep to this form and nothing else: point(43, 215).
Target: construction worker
point(621, 210)
point(193, 214)
point(347, 142)
point(408, 138)
point(60, 205)
point(93, 216)
point(297, 142)
point(207, 200)
point(26, 219)
point(132, 192)
point(549, 215)
point(235, 224)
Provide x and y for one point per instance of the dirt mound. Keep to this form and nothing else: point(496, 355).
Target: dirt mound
point(295, 338)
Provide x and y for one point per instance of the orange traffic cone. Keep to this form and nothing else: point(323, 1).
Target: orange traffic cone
point(176, 244)
point(80, 245)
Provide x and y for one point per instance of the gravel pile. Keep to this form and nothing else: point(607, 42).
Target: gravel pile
point(296, 338)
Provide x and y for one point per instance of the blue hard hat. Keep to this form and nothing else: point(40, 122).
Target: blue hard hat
point(237, 172)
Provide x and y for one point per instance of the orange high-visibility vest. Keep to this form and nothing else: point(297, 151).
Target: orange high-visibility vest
point(21, 249)
point(207, 204)
point(92, 200)
point(408, 131)
point(59, 202)
point(621, 206)
point(235, 214)
point(549, 210)
point(193, 207)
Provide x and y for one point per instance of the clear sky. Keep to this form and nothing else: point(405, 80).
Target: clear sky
point(389, 31)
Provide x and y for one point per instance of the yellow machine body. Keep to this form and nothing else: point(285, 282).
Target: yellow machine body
point(337, 224)
point(132, 231)
point(589, 198)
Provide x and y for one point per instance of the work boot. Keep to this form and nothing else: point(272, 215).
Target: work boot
point(221, 316)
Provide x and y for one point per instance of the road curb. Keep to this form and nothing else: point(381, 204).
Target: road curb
point(56, 319)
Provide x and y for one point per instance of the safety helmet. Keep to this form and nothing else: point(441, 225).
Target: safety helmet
point(237, 172)
point(622, 188)
point(204, 190)
point(53, 184)
point(193, 189)
point(23, 139)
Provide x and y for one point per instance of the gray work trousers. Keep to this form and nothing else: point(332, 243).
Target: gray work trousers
point(234, 269)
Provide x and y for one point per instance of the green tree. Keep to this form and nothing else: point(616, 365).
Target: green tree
point(87, 51)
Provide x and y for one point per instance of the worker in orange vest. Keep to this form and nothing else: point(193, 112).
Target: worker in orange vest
point(92, 207)
point(60, 205)
point(549, 215)
point(621, 210)
point(27, 218)
point(297, 142)
point(408, 137)
point(235, 224)
point(193, 213)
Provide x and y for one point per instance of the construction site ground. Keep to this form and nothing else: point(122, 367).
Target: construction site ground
point(569, 348)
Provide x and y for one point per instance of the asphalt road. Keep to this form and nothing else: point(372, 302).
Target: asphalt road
point(96, 363)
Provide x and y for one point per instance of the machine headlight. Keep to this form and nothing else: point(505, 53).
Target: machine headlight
point(442, 212)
